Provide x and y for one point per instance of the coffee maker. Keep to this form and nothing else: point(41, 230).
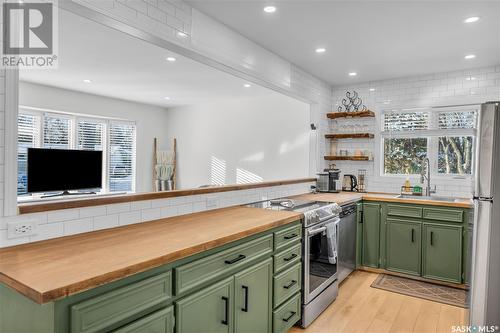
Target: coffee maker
point(328, 181)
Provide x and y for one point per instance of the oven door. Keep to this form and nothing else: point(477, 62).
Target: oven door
point(319, 270)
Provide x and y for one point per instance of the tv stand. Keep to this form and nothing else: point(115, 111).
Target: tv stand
point(65, 193)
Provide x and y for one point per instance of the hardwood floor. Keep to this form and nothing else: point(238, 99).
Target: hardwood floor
point(360, 308)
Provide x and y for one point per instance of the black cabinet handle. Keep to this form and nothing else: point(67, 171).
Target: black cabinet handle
point(290, 285)
point(225, 321)
point(289, 317)
point(413, 235)
point(290, 236)
point(432, 238)
point(293, 256)
point(238, 258)
point(245, 306)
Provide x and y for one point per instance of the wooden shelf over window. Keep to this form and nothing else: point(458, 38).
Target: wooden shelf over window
point(350, 136)
point(347, 158)
point(357, 114)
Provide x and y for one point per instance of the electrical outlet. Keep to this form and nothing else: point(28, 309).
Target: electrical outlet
point(22, 229)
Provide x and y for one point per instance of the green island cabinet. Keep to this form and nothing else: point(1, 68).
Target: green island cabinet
point(247, 286)
point(416, 240)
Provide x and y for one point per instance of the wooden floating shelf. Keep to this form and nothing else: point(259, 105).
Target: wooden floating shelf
point(357, 114)
point(350, 136)
point(347, 158)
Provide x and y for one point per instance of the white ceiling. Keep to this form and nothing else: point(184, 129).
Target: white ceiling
point(121, 66)
point(376, 39)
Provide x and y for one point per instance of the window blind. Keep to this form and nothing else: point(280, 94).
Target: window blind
point(28, 133)
point(56, 132)
point(408, 121)
point(457, 120)
point(121, 157)
point(90, 135)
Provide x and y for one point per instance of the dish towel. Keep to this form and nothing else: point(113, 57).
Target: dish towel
point(331, 240)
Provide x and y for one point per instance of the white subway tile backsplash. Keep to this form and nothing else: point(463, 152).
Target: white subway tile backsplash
point(77, 226)
point(168, 211)
point(48, 231)
point(151, 214)
point(63, 215)
point(118, 208)
point(130, 218)
point(139, 205)
point(185, 209)
point(92, 211)
point(105, 222)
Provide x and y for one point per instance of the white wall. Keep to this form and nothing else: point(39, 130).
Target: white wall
point(150, 120)
point(449, 88)
point(241, 141)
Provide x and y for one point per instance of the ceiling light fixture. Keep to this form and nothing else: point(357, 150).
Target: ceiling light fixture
point(472, 19)
point(320, 50)
point(353, 74)
point(470, 78)
point(181, 34)
point(166, 98)
point(372, 89)
point(269, 9)
point(247, 85)
point(87, 81)
point(171, 59)
point(470, 56)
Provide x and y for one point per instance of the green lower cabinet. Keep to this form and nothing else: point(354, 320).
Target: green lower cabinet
point(209, 310)
point(253, 299)
point(442, 252)
point(403, 246)
point(371, 235)
point(159, 322)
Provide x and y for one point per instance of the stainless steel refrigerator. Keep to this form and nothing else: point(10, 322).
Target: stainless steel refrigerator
point(485, 275)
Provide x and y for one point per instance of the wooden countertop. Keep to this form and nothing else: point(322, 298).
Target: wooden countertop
point(48, 270)
point(343, 198)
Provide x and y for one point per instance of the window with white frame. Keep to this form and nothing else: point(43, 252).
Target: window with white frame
point(116, 139)
point(446, 137)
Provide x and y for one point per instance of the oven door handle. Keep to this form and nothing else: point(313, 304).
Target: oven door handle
point(316, 231)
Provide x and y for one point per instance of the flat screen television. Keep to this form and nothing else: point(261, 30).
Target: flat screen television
point(64, 170)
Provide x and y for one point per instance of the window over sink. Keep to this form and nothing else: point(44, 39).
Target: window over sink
point(446, 137)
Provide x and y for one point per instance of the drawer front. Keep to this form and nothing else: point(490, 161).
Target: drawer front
point(286, 237)
point(404, 210)
point(287, 258)
point(212, 267)
point(159, 322)
point(109, 309)
point(287, 315)
point(443, 214)
point(287, 283)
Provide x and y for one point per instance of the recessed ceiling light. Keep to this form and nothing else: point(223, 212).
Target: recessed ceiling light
point(388, 101)
point(470, 78)
point(472, 19)
point(353, 74)
point(87, 81)
point(372, 89)
point(166, 98)
point(181, 34)
point(247, 85)
point(470, 56)
point(269, 9)
point(171, 59)
point(320, 50)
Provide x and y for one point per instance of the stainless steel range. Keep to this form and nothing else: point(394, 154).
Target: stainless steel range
point(320, 239)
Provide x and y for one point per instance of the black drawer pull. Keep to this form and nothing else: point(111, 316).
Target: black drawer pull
point(290, 236)
point(238, 258)
point(225, 321)
point(432, 238)
point(290, 285)
point(412, 235)
point(245, 306)
point(290, 316)
point(293, 256)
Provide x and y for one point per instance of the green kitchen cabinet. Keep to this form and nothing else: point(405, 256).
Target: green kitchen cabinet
point(253, 299)
point(442, 252)
point(359, 234)
point(403, 246)
point(371, 235)
point(209, 310)
point(159, 322)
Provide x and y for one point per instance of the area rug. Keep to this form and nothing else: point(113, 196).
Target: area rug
point(420, 289)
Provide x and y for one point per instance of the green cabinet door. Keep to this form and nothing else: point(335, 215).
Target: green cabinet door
point(403, 246)
point(209, 310)
point(253, 298)
point(159, 322)
point(371, 235)
point(442, 255)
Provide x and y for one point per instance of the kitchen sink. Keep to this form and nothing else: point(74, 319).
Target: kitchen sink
point(432, 197)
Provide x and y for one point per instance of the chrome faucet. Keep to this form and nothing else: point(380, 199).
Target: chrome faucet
point(426, 166)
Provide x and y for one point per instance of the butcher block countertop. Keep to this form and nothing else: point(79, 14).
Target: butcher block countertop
point(343, 198)
point(49, 270)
